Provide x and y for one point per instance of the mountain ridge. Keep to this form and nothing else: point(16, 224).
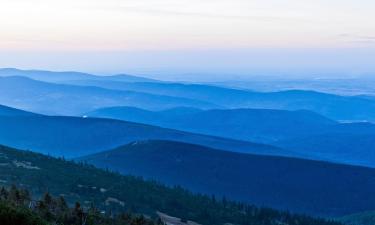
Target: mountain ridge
point(75, 136)
point(303, 132)
point(62, 99)
point(257, 125)
point(300, 185)
point(337, 107)
point(58, 76)
point(115, 193)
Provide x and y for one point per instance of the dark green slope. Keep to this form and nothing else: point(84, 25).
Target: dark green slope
point(13, 215)
point(19, 207)
point(110, 191)
point(312, 187)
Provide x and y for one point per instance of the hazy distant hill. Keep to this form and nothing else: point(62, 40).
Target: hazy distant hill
point(351, 143)
point(336, 107)
point(58, 99)
point(50, 76)
point(333, 106)
point(299, 185)
point(350, 148)
point(75, 136)
point(116, 193)
point(339, 85)
point(259, 125)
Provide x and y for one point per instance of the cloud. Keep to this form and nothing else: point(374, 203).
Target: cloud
point(197, 14)
point(359, 39)
point(369, 38)
point(355, 36)
point(168, 11)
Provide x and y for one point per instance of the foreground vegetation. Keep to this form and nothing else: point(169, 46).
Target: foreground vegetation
point(115, 194)
point(18, 208)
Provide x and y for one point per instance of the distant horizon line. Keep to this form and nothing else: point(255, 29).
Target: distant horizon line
point(237, 77)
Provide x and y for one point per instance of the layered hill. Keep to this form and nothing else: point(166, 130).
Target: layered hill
point(78, 136)
point(349, 148)
point(259, 125)
point(116, 193)
point(59, 99)
point(51, 76)
point(303, 132)
point(311, 187)
point(348, 108)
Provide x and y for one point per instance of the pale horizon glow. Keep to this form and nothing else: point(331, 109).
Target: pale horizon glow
point(37, 30)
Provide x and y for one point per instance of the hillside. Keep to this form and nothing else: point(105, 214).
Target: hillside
point(116, 193)
point(303, 132)
point(77, 136)
point(133, 91)
point(312, 187)
point(349, 148)
point(8, 111)
point(59, 99)
point(258, 125)
point(348, 108)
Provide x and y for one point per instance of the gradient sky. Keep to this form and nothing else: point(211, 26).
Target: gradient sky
point(189, 36)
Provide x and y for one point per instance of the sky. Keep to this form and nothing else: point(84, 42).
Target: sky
point(188, 38)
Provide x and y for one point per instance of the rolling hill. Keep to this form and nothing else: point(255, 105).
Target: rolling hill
point(77, 136)
point(349, 148)
point(303, 132)
point(58, 99)
point(258, 125)
point(116, 193)
point(312, 187)
point(346, 108)
point(50, 76)
point(125, 91)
